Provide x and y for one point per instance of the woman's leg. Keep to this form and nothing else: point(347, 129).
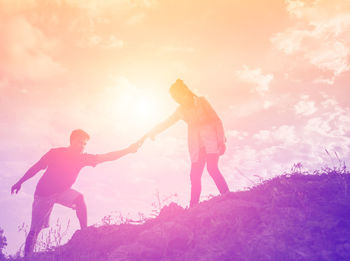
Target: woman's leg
point(196, 174)
point(213, 169)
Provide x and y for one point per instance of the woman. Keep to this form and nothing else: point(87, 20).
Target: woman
point(206, 139)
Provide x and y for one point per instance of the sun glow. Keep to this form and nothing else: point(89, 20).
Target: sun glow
point(139, 107)
point(135, 106)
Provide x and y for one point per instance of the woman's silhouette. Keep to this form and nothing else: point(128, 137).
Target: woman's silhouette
point(206, 139)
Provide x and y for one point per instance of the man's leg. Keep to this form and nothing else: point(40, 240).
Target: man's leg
point(30, 242)
point(81, 211)
point(213, 169)
point(75, 200)
point(41, 211)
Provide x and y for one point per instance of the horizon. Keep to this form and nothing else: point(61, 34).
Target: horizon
point(277, 74)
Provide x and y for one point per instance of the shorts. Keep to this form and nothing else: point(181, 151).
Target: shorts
point(42, 207)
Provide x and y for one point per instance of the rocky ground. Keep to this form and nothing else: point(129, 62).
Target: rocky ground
point(291, 217)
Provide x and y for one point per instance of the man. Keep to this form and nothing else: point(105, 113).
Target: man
point(62, 168)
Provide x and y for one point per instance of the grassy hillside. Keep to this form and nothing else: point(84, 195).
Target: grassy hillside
point(292, 217)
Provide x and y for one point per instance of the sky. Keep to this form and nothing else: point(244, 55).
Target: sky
point(276, 72)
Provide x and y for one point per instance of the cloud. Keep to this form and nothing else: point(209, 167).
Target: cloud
point(289, 41)
point(305, 107)
point(135, 18)
point(333, 122)
point(317, 10)
point(267, 104)
point(248, 108)
point(320, 36)
point(4, 84)
point(177, 49)
point(99, 11)
point(260, 81)
point(330, 56)
point(295, 7)
point(240, 135)
point(272, 150)
point(102, 6)
point(26, 51)
point(283, 135)
point(103, 42)
point(111, 42)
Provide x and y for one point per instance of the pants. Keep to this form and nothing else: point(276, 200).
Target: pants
point(42, 207)
point(196, 173)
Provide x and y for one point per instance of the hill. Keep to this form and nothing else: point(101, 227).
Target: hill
point(291, 217)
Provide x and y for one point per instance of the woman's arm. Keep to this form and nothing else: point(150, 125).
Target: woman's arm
point(176, 116)
point(215, 120)
point(220, 131)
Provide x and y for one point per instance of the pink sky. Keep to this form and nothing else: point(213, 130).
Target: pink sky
point(277, 72)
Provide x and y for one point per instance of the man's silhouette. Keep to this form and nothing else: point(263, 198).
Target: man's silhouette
point(62, 168)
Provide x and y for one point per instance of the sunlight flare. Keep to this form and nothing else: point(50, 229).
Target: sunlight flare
point(136, 106)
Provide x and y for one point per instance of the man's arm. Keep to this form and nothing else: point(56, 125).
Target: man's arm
point(40, 165)
point(114, 155)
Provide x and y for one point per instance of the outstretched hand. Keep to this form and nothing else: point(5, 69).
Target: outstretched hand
point(15, 188)
point(151, 134)
point(135, 146)
point(142, 139)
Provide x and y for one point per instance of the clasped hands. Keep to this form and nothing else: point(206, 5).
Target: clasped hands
point(135, 146)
